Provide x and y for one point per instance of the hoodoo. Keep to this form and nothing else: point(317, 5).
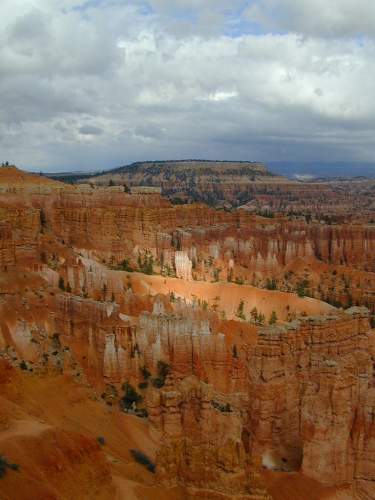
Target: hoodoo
point(179, 351)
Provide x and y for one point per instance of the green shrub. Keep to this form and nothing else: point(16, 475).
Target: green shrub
point(158, 382)
point(146, 374)
point(261, 319)
point(23, 365)
point(254, 314)
point(271, 284)
point(273, 318)
point(61, 283)
point(43, 219)
point(146, 264)
point(223, 408)
point(163, 369)
point(125, 266)
point(131, 396)
point(240, 310)
point(302, 288)
point(143, 459)
point(5, 465)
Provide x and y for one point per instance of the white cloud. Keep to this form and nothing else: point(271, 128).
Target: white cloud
point(219, 95)
point(95, 84)
point(328, 18)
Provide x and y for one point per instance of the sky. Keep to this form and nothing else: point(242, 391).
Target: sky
point(94, 84)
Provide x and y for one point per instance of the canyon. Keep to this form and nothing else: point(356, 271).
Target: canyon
point(249, 185)
point(234, 351)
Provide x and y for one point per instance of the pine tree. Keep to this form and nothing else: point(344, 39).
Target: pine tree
point(254, 314)
point(61, 283)
point(273, 318)
point(240, 312)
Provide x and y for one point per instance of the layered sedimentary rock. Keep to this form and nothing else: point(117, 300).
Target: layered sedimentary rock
point(19, 228)
point(317, 371)
point(302, 388)
point(111, 225)
point(308, 405)
point(194, 180)
point(295, 396)
point(183, 265)
point(191, 424)
point(251, 185)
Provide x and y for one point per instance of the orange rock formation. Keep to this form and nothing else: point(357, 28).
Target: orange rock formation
point(231, 403)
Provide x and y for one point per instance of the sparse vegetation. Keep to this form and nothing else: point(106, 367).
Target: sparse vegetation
point(130, 396)
point(273, 318)
point(230, 275)
point(216, 274)
point(163, 371)
point(302, 288)
point(261, 319)
point(61, 283)
point(5, 465)
point(146, 263)
point(145, 373)
point(223, 408)
point(271, 284)
point(254, 314)
point(143, 459)
point(23, 365)
point(125, 266)
point(240, 310)
point(43, 219)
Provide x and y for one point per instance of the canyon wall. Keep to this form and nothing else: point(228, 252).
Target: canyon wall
point(294, 396)
point(225, 397)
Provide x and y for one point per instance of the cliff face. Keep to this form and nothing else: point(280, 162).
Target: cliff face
point(190, 425)
point(210, 182)
point(19, 228)
point(292, 396)
point(116, 225)
point(301, 396)
point(308, 404)
point(196, 242)
point(233, 184)
point(225, 396)
point(317, 372)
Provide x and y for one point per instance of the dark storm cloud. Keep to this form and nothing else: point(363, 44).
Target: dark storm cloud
point(102, 83)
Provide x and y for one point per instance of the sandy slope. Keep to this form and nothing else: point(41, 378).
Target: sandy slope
point(297, 486)
point(228, 296)
point(49, 426)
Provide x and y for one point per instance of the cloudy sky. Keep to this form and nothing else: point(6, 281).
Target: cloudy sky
point(100, 83)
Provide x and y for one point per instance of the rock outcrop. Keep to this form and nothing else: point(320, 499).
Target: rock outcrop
point(225, 396)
